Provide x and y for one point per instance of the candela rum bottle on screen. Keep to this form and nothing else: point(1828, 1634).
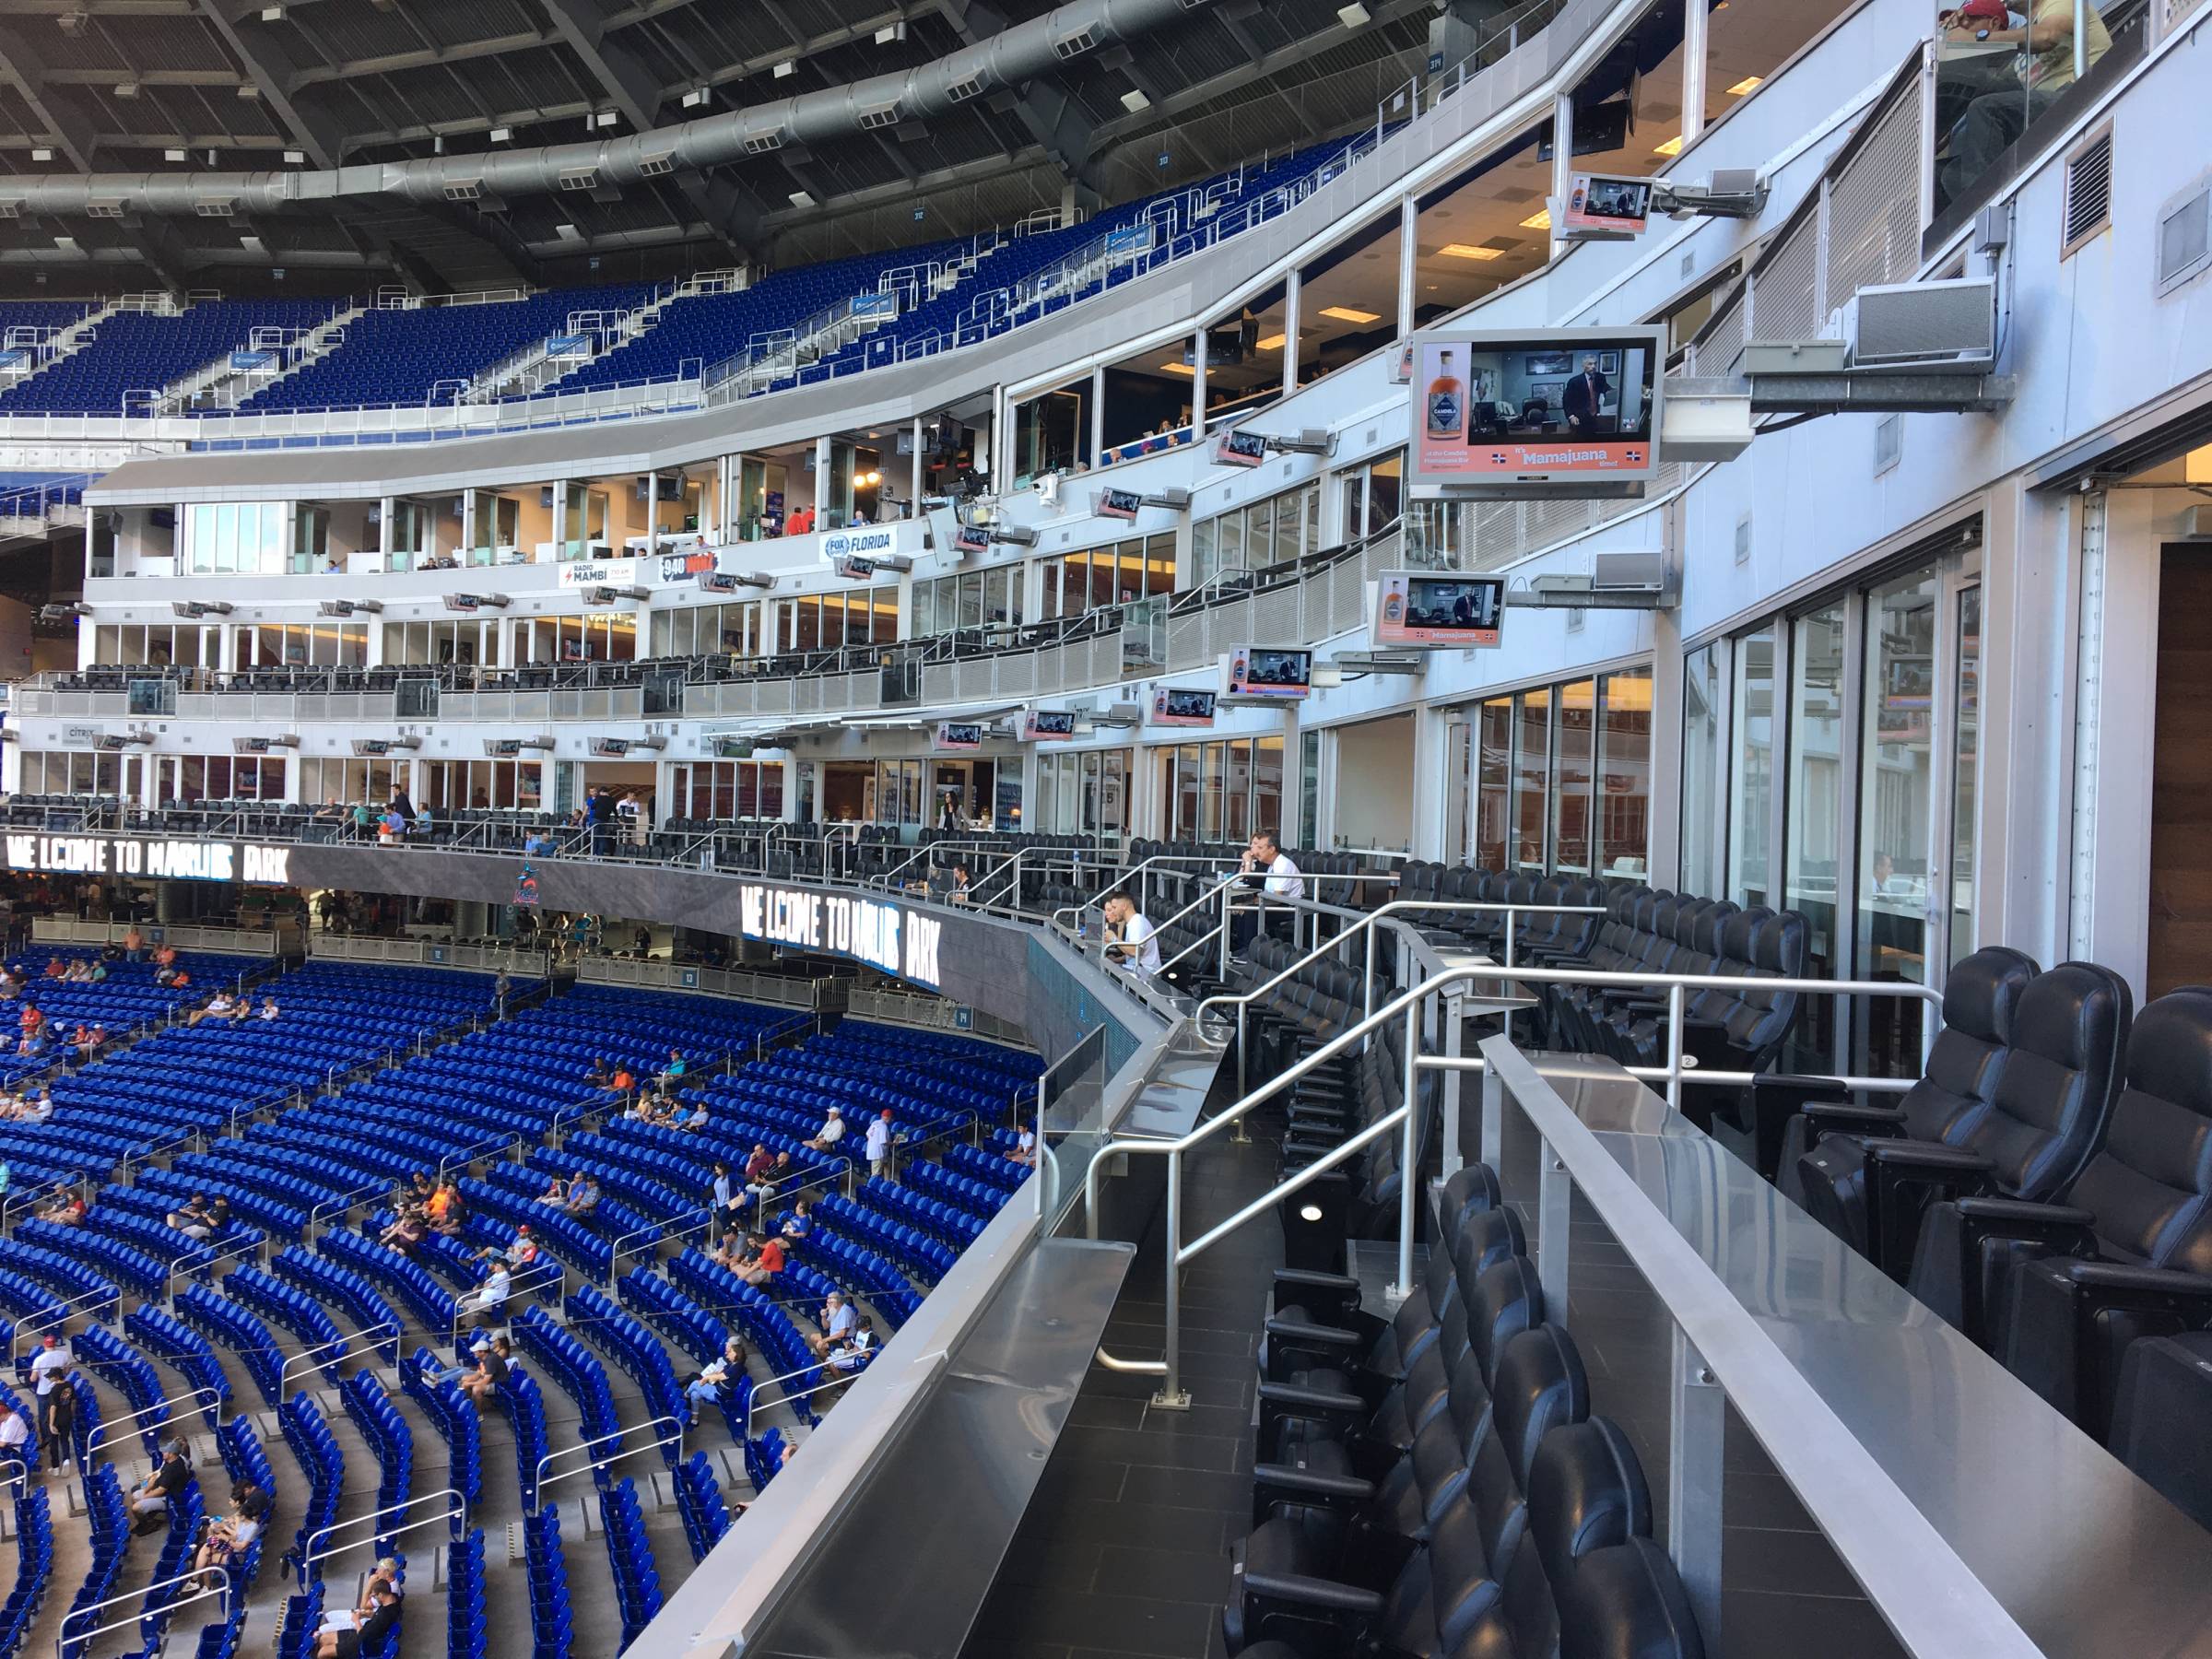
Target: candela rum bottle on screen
point(1447, 402)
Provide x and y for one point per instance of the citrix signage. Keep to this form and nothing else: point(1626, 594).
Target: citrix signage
point(161, 857)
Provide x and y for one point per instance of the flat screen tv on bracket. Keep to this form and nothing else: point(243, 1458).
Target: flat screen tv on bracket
point(1268, 673)
point(1563, 412)
point(1437, 610)
point(1048, 725)
point(1179, 706)
point(960, 735)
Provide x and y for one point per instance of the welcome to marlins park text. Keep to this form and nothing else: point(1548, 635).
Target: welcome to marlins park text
point(149, 855)
point(883, 935)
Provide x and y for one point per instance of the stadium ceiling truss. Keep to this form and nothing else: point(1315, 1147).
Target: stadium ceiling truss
point(187, 98)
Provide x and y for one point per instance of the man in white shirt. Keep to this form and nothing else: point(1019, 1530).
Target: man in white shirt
point(51, 1363)
point(1276, 874)
point(490, 1297)
point(831, 1132)
point(14, 1446)
point(879, 1144)
point(1131, 939)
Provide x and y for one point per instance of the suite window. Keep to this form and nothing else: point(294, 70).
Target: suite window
point(1494, 739)
point(1276, 531)
point(228, 538)
point(727, 789)
point(303, 645)
point(1532, 778)
point(1119, 574)
point(1372, 493)
point(1224, 790)
point(1704, 768)
point(158, 645)
point(451, 785)
point(1751, 796)
point(471, 644)
point(185, 779)
point(328, 778)
point(708, 630)
point(81, 772)
point(594, 637)
point(968, 599)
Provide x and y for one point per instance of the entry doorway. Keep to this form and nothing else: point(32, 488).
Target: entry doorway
point(2179, 935)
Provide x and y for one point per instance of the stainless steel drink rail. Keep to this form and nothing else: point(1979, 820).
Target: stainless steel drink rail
point(1408, 1005)
point(218, 1584)
point(1723, 1355)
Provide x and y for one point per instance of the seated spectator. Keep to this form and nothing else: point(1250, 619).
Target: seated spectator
point(149, 1500)
point(78, 972)
point(691, 1120)
point(16, 1437)
point(601, 1075)
point(193, 1219)
point(488, 1301)
point(218, 1220)
point(831, 1132)
point(1025, 1147)
point(56, 969)
point(490, 1371)
point(836, 1321)
point(367, 1629)
point(706, 1389)
point(218, 1007)
point(584, 1197)
point(97, 973)
point(555, 1192)
point(165, 955)
point(268, 1008)
point(762, 1260)
point(447, 1210)
point(842, 1364)
point(229, 1538)
point(30, 1019)
point(66, 1208)
point(799, 1223)
point(676, 1068)
point(756, 1170)
point(406, 1233)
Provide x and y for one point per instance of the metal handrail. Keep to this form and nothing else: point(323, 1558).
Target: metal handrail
point(343, 1205)
point(191, 1399)
point(455, 1514)
point(372, 1334)
point(539, 1480)
point(65, 1640)
point(243, 1247)
point(1407, 1002)
point(753, 1398)
point(54, 1316)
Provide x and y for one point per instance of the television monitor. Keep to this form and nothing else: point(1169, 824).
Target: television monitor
point(1270, 671)
point(960, 735)
point(1439, 609)
point(1048, 725)
point(1178, 706)
point(1118, 504)
point(1607, 204)
point(1496, 410)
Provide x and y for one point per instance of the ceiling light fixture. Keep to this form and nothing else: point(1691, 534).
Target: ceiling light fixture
point(1273, 342)
point(802, 198)
point(1345, 313)
point(1539, 220)
point(42, 154)
point(501, 135)
point(1673, 146)
point(174, 154)
point(696, 97)
point(295, 157)
point(1135, 101)
point(1175, 368)
point(606, 118)
point(1749, 84)
point(127, 89)
point(787, 68)
point(1354, 15)
point(1468, 251)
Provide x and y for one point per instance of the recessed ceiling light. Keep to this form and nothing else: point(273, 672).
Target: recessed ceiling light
point(1272, 343)
point(1354, 15)
point(1345, 313)
point(42, 154)
point(174, 154)
point(1539, 220)
point(787, 68)
point(1673, 146)
point(501, 135)
point(294, 158)
point(1172, 368)
point(1748, 84)
point(1467, 251)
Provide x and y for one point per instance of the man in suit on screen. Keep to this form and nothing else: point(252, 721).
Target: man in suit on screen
point(1584, 397)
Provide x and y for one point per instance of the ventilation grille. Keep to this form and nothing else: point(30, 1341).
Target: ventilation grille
point(1888, 443)
point(2088, 192)
point(464, 189)
point(586, 178)
point(883, 116)
point(12, 208)
point(655, 167)
point(214, 209)
point(109, 210)
point(763, 143)
point(2184, 240)
point(960, 91)
point(1074, 45)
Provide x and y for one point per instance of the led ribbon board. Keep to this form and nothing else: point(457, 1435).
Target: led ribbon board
point(889, 937)
point(174, 858)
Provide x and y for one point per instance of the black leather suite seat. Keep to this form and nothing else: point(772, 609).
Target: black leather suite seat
point(2046, 1119)
point(2125, 1251)
point(1981, 999)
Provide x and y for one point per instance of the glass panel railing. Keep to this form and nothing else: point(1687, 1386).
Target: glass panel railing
point(1999, 72)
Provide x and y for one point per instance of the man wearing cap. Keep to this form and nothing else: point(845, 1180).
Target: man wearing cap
point(878, 1146)
point(150, 1499)
point(48, 1366)
point(489, 1298)
point(831, 1132)
point(837, 1321)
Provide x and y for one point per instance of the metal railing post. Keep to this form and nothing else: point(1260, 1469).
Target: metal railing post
point(1677, 1000)
point(1409, 1155)
point(1173, 1396)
